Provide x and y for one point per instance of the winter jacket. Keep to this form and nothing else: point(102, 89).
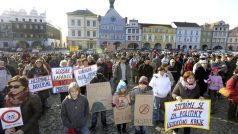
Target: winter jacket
point(145, 70)
point(75, 113)
point(232, 87)
point(31, 111)
point(215, 82)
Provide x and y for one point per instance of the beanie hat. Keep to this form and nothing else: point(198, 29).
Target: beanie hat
point(143, 80)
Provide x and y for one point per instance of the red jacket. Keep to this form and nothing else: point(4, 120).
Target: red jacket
point(233, 89)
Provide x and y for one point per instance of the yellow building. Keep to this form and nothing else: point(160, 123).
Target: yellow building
point(158, 36)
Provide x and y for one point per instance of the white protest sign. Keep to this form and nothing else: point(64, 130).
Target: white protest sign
point(61, 78)
point(188, 113)
point(143, 112)
point(40, 83)
point(84, 75)
point(122, 110)
point(11, 117)
point(99, 96)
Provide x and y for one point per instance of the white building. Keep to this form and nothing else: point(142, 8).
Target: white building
point(133, 34)
point(220, 35)
point(232, 42)
point(82, 29)
point(187, 35)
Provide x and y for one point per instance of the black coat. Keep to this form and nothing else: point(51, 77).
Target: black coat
point(200, 75)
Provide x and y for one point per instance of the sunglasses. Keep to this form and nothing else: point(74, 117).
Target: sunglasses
point(15, 86)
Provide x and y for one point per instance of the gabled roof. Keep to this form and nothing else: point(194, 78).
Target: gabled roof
point(113, 11)
point(186, 24)
point(81, 12)
point(148, 24)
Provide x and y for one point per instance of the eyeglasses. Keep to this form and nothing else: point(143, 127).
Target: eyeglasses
point(15, 86)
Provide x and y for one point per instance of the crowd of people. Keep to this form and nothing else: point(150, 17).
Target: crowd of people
point(166, 76)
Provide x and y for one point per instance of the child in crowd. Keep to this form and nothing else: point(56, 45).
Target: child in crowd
point(75, 110)
point(121, 90)
point(214, 84)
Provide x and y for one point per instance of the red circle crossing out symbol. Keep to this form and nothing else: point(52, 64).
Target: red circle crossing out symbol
point(144, 109)
point(10, 116)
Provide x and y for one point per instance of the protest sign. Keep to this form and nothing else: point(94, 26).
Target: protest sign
point(99, 96)
point(11, 117)
point(61, 78)
point(122, 110)
point(84, 75)
point(188, 113)
point(40, 83)
point(143, 110)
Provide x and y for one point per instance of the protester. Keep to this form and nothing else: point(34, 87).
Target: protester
point(99, 77)
point(146, 69)
point(122, 90)
point(232, 87)
point(63, 63)
point(29, 103)
point(161, 86)
point(75, 110)
point(141, 89)
point(186, 88)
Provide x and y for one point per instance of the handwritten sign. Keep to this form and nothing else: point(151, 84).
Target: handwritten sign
point(83, 76)
point(40, 83)
point(188, 113)
point(11, 117)
point(99, 96)
point(122, 110)
point(61, 78)
point(143, 112)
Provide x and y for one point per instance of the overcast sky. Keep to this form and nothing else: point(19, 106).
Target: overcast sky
point(146, 11)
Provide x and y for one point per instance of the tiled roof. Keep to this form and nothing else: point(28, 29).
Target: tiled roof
point(147, 25)
point(186, 24)
point(81, 12)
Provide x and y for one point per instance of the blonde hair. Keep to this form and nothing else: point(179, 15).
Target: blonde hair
point(73, 86)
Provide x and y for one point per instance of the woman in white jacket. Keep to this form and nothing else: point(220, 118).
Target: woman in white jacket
point(161, 86)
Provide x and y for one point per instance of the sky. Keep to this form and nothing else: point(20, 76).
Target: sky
point(146, 11)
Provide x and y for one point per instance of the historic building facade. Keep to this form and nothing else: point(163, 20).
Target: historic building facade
point(27, 31)
point(220, 32)
point(112, 29)
point(158, 36)
point(232, 42)
point(133, 34)
point(206, 37)
point(82, 29)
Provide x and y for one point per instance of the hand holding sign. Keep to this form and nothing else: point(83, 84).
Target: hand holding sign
point(10, 131)
point(179, 98)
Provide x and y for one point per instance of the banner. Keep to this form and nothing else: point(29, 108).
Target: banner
point(83, 76)
point(40, 83)
point(122, 110)
point(61, 78)
point(188, 113)
point(143, 111)
point(11, 117)
point(99, 96)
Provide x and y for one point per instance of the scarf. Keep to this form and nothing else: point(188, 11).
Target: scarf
point(188, 86)
point(13, 100)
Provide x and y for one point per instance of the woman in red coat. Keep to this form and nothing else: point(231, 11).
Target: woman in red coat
point(232, 87)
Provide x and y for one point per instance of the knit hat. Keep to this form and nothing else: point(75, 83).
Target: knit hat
point(121, 86)
point(143, 80)
point(214, 69)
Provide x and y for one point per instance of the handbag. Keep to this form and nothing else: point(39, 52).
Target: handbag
point(223, 91)
point(71, 131)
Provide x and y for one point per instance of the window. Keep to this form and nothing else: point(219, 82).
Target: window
point(17, 26)
point(129, 30)
point(36, 26)
point(179, 32)
point(73, 32)
point(137, 38)
point(72, 22)
point(185, 32)
point(30, 26)
point(40, 20)
point(79, 33)
point(1, 20)
point(73, 43)
point(94, 23)
point(144, 29)
point(24, 26)
point(137, 30)
point(16, 19)
point(196, 32)
point(94, 34)
point(41, 27)
point(23, 19)
point(88, 33)
point(150, 30)
point(156, 30)
point(133, 30)
point(35, 20)
point(79, 22)
point(208, 40)
point(149, 37)
point(144, 37)
point(192, 32)
point(129, 37)
point(215, 29)
point(196, 40)
point(236, 40)
point(29, 20)
point(88, 23)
